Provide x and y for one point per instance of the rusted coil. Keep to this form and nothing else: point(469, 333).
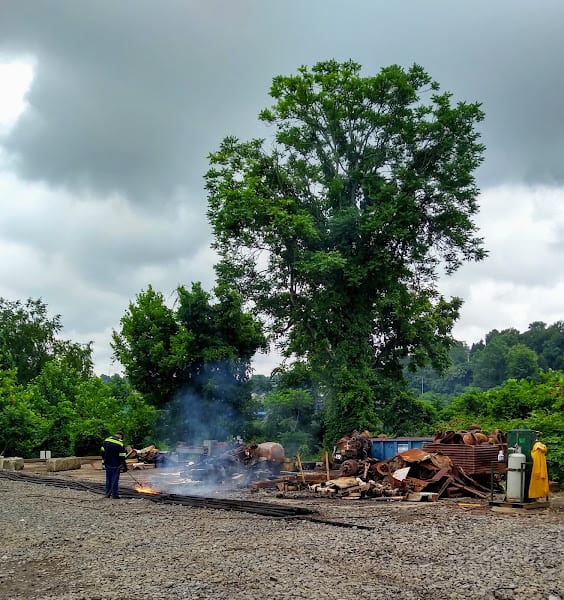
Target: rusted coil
point(383, 468)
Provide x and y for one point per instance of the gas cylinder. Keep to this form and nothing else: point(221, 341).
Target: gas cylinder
point(516, 463)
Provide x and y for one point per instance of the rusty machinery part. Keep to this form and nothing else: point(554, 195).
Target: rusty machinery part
point(441, 461)
point(383, 468)
point(396, 463)
point(355, 446)
point(472, 437)
point(349, 468)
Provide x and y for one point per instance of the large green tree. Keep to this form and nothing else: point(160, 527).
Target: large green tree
point(151, 346)
point(29, 339)
point(336, 230)
point(547, 342)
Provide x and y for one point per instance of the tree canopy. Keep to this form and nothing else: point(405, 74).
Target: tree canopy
point(193, 360)
point(29, 339)
point(502, 355)
point(49, 395)
point(335, 233)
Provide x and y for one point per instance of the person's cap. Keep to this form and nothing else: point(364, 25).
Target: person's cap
point(119, 432)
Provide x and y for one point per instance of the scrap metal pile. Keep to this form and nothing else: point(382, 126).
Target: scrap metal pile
point(237, 465)
point(413, 474)
point(454, 465)
point(443, 468)
point(150, 455)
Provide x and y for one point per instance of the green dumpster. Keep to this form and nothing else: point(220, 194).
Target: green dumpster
point(525, 438)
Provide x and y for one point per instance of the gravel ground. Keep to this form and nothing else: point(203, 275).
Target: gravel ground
point(63, 544)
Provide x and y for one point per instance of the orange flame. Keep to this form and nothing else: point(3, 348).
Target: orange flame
point(145, 489)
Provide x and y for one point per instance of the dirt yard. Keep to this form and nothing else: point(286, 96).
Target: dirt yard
point(67, 544)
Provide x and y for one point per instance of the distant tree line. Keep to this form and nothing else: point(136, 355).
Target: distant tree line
point(502, 355)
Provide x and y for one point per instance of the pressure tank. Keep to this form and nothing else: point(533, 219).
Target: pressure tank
point(516, 463)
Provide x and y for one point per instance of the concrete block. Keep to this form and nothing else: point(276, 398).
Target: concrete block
point(12, 463)
point(67, 463)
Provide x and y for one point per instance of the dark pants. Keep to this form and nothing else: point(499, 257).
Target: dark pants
point(112, 481)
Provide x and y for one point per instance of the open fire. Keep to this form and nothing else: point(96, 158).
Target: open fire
point(145, 489)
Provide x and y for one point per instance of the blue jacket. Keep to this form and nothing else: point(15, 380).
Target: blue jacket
point(113, 452)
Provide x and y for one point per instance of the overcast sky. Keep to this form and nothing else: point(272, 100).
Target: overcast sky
point(109, 109)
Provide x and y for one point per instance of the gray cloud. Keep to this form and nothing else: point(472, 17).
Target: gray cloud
point(127, 97)
point(132, 96)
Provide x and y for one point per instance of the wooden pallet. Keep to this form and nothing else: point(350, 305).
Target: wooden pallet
point(505, 506)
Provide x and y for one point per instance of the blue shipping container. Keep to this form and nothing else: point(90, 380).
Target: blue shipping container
point(385, 448)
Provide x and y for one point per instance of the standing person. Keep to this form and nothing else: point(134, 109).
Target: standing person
point(113, 458)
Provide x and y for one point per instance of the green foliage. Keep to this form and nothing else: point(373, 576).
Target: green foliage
point(288, 411)
point(261, 384)
point(28, 340)
point(88, 435)
point(522, 362)
point(67, 413)
point(299, 442)
point(193, 362)
point(291, 411)
point(102, 408)
point(405, 415)
point(49, 398)
point(151, 346)
point(335, 236)
point(449, 383)
point(52, 395)
point(349, 403)
point(513, 400)
point(489, 364)
point(27, 337)
point(505, 355)
point(20, 426)
point(547, 342)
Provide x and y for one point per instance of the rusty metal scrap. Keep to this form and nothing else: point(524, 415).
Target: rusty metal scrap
point(414, 473)
point(475, 460)
point(354, 487)
point(474, 436)
point(355, 446)
point(148, 455)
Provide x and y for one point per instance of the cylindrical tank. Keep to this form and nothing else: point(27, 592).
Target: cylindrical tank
point(516, 463)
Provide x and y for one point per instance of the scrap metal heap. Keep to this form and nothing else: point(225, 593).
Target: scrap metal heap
point(238, 465)
point(455, 464)
point(150, 455)
point(356, 445)
point(408, 474)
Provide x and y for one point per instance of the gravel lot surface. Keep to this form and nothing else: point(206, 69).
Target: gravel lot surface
point(64, 544)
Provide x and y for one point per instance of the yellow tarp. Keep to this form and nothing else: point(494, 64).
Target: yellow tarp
point(538, 487)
